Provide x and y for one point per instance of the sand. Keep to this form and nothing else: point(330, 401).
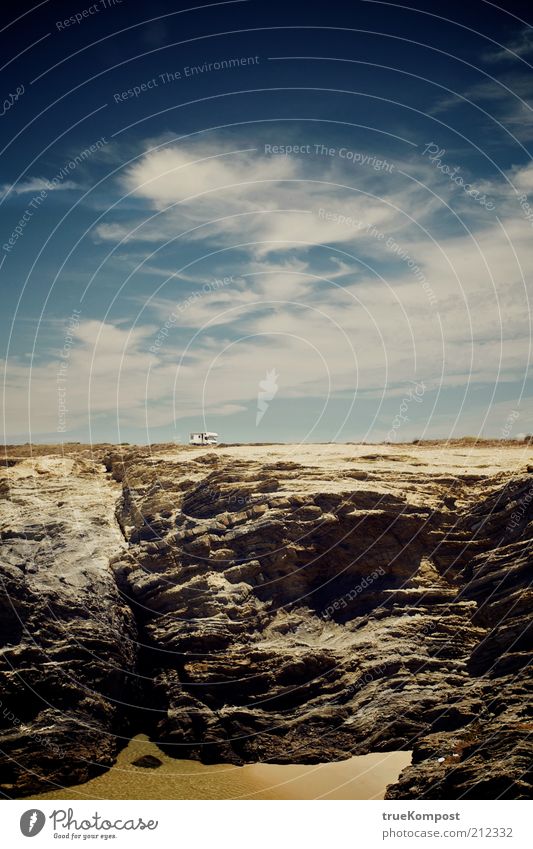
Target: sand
point(364, 777)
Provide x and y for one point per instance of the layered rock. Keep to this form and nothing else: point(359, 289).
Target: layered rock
point(491, 756)
point(290, 606)
point(296, 614)
point(67, 640)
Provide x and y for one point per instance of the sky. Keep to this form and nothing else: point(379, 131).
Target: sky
point(278, 222)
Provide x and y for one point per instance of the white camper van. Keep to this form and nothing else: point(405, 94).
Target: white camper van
point(205, 438)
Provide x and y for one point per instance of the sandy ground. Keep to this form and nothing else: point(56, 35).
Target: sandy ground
point(431, 459)
point(364, 777)
point(422, 474)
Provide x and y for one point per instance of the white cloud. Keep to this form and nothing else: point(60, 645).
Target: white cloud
point(321, 317)
point(523, 178)
point(234, 198)
point(504, 101)
point(520, 46)
point(34, 185)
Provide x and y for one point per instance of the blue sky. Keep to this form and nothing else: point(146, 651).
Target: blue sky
point(325, 213)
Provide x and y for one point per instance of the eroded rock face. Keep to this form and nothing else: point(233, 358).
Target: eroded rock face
point(294, 607)
point(490, 757)
point(304, 614)
point(67, 640)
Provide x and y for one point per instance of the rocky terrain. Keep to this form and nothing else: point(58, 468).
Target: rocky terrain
point(252, 603)
point(67, 640)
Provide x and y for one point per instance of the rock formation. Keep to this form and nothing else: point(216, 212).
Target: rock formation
point(67, 640)
point(264, 603)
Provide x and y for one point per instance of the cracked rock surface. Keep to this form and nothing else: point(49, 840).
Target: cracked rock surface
point(67, 639)
point(255, 603)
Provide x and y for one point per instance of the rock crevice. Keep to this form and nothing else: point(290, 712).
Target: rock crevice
point(254, 608)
